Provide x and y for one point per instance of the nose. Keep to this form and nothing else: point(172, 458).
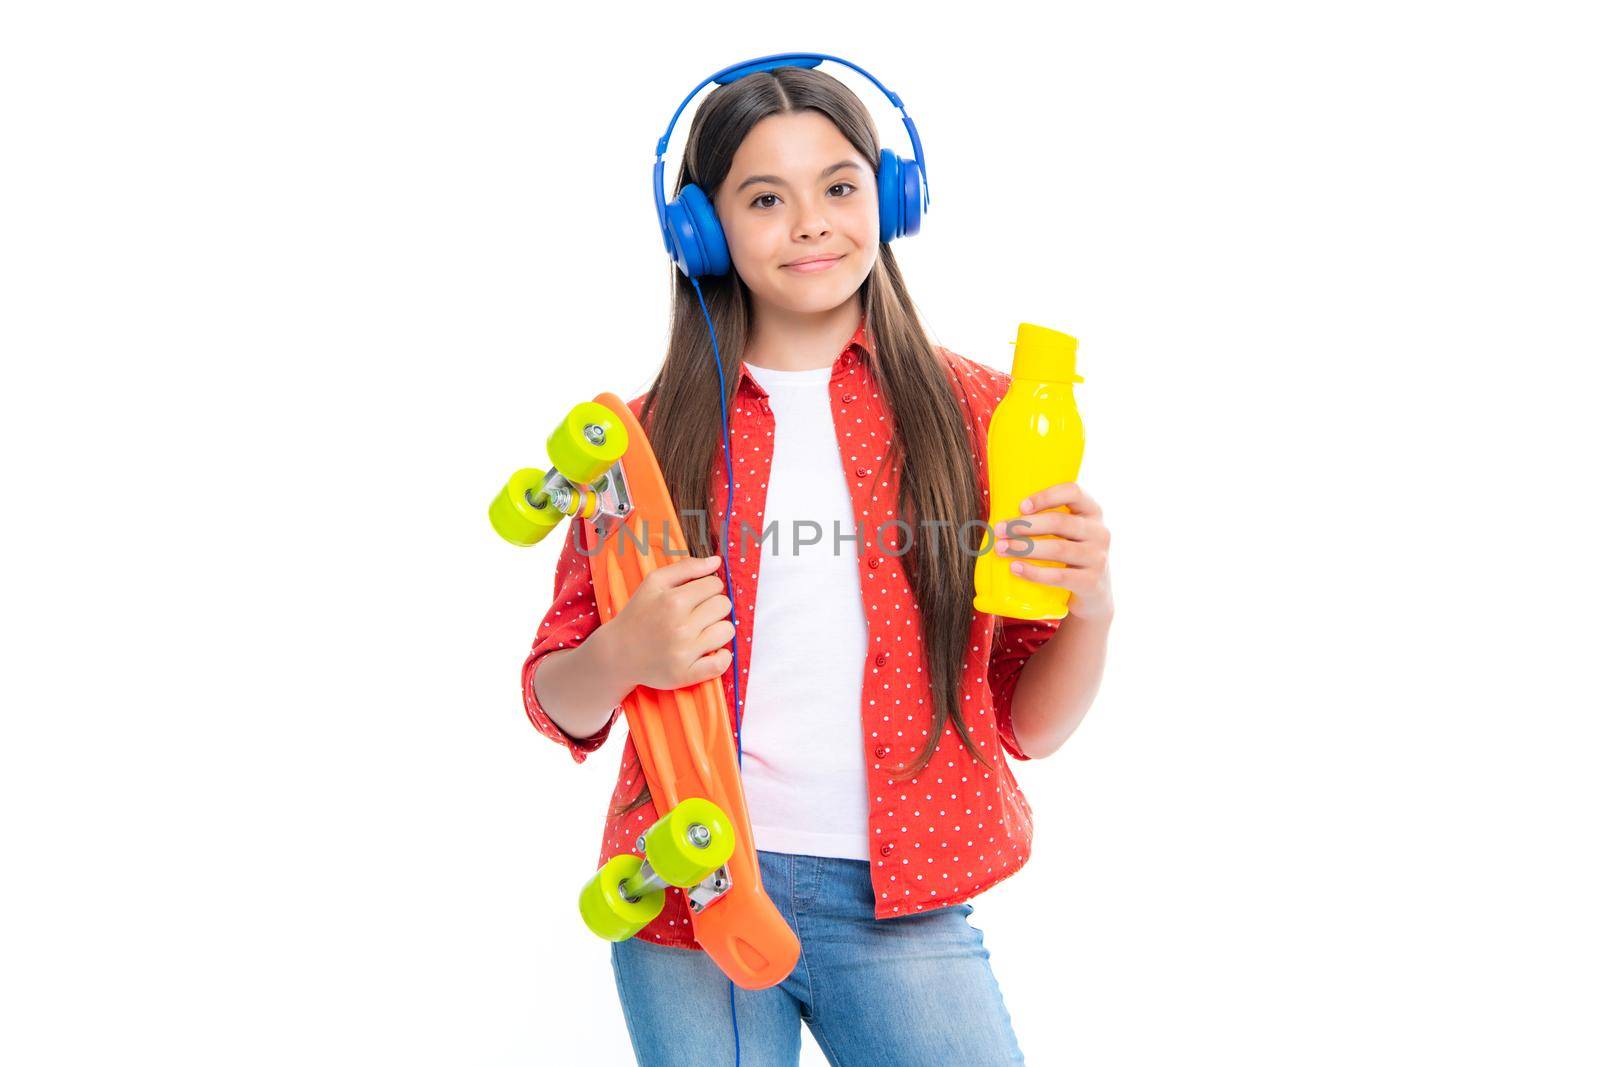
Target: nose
point(812, 225)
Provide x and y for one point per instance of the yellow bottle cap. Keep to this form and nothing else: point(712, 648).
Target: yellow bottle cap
point(1044, 355)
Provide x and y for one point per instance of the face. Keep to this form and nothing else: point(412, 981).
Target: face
point(785, 199)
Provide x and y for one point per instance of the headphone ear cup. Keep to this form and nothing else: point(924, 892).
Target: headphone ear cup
point(889, 203)
point(899, 196)
point(695, 237)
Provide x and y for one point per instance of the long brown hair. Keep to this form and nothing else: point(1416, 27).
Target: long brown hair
point(917, 385)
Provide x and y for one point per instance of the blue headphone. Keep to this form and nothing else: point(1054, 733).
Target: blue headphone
point(695, 241)
point(689, 226)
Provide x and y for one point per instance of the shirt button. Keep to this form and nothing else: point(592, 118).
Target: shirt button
point(848, 397)
point(883, 657)
point(881, 751)
point(874, 561)
point(862, 472)
point(885, 850)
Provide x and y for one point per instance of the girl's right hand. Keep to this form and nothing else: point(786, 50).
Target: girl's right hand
point(673, 629)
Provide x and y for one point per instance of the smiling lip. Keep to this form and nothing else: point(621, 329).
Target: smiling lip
point(811, 266)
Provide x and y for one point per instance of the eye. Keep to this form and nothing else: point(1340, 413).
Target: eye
point(756, 203)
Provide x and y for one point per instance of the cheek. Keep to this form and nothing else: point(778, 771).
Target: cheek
point(864, 223)
point(751, 238)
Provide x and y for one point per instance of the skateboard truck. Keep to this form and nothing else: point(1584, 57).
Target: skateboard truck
point(708, 892)
point(701, 896)
point(605, 502)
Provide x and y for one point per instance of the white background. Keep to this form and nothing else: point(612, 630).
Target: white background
point(290, 288)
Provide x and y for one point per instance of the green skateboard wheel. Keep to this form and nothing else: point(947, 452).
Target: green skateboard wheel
point(513, 515)
point(588, 441)
point(606, 912)
point(694, 839)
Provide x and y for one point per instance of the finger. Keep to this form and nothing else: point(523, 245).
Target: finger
point(1071, 553)
point(700, 590)
point(681, 571)
point(709, 611)
point(713, 637)
point(710, 666)
point(1060, 523)
point(1073, 578)
point(1067, 494)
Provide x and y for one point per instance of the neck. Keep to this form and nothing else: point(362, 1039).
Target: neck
point(789, 340)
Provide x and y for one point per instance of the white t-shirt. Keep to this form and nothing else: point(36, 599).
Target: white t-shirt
point(804, 764)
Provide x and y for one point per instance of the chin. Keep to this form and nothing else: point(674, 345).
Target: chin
point(815, 303)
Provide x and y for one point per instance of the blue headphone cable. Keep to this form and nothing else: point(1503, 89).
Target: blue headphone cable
point(727, 570)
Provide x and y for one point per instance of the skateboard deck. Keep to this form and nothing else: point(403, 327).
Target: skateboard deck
point(683, 736)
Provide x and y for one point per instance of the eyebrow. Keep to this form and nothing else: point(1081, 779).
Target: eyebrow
point(775, 180)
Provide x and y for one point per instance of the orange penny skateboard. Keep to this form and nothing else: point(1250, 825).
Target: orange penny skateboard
point(605, 474)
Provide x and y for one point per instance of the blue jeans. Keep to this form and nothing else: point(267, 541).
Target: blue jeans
point(913, 990)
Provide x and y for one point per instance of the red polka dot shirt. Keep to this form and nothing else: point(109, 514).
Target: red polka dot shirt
point(937, 839)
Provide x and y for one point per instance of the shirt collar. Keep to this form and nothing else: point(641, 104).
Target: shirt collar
point(861, 346)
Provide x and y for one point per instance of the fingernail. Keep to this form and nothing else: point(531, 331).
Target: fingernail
point(1027, 505)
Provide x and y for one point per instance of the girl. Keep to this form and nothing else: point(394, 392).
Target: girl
point(872, 702)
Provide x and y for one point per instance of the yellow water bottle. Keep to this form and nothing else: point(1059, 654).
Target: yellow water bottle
point(1035, 441)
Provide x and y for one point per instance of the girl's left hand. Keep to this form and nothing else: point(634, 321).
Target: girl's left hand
point(1078, 539)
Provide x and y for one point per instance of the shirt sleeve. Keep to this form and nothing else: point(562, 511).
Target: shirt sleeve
point(571, 618)
point(1015, 642)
